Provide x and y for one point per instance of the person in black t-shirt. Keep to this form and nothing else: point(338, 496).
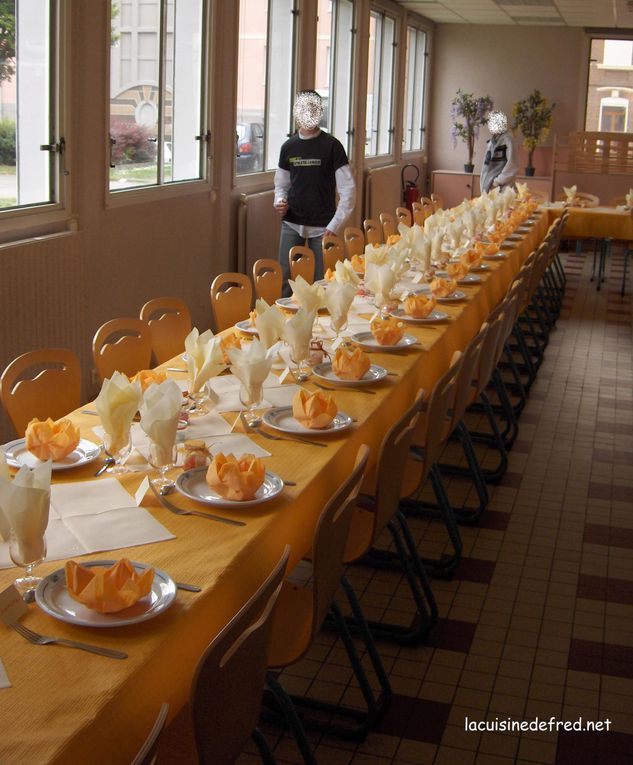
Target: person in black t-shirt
point(313, 167)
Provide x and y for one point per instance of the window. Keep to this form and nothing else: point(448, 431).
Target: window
point(414, 90)
point(380, 90)
point(334, 70)
point(610, 86)
point(613, 115)
point(31, 142)
point(265, 80)
point(157, 107)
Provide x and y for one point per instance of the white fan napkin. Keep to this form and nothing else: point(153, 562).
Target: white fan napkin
point(309, 296)
point(117, 403)
point(297, 332)
point(204, 358)
point(345, 274)
point(160, 409)
point(570, 193)
point(251, 365)
point(338, 299)
point(380, 280)
point(269, 322)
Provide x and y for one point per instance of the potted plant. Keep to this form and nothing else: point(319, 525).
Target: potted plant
point(468, 114)
point(533, 118)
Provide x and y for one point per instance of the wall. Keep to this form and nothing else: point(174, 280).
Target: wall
point(507, 63)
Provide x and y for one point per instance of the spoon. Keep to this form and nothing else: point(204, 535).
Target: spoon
point(107, 461)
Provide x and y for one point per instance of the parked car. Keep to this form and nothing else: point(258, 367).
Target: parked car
point(249, 147)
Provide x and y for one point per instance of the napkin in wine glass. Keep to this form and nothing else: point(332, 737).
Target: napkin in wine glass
point(204, 358)
point(297, 332)
point(570, 193)
point(269, 322)
point(380, 280)
point(160, 410)
point(108, 590)
point(338, 300)
point(117, 403)
point(344, 273)
point(251, 365)
point(309, 296)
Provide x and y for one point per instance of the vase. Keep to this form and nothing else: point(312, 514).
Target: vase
point(529, 171)
point(469, 167)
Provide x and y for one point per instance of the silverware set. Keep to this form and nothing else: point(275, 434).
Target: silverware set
point(37, 639)
point(179, 511)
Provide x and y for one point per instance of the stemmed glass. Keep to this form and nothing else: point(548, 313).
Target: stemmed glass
point(162, 459)
point(118, 448)
point(27, 554)
point(298, 356)
point(251, 397)
point(197, 397)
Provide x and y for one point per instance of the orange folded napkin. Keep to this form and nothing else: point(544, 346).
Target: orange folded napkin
point(149, 377)
point(234, 478)
point(387, 331)
point(228, 341)
point(314, 410)
point(443, 287)
point(393, 239)
point(329, 275)
point(108, 590)
point(471, 258)
point(358, 263)
point(350, 364)
point(457, 270)
point(487, 249)
point(50, 439)
point(418, 305)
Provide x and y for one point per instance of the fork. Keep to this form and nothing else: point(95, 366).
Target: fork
point(271, 437)
point(347, 387)
point(179, 511)
point(37, 639)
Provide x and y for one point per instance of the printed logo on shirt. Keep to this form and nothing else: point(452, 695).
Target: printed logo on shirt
point(299, 162)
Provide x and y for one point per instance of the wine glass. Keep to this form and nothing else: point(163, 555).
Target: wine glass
point(162, 458)
point(251, 397)
point(27, 553)
point(118, 448)
point(299, 356)
point(197, 397)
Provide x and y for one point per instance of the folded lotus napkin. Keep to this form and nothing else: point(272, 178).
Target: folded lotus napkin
point(629, 198)
point(308, 296)
point(204, 358)
point(358, 263)
point(236, 478)
point(380, 280)
point(471, 258)
point(375, 254)
point(24, 506)
point(117, 403)
point(251, 365)
point(329, 275)
point(350, 363)
point(108, 590)
point(148, 377)
point(338, 300)
point(344, 272)
point(457, 270)
point(160, 410)
point(443, 287)
point(50, 440)
point(418, 305)
point(483, 248)
point(227, 341)
point(387, 331)
point(570, 193)
point(314, 410)
point(269, 322)
point(297, 332)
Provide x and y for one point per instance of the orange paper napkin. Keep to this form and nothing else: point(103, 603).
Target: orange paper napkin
point(50, 439)
point(358, 263)
point(471, 258)
point(457, 270)
point(418, 305)
point(329, 275)
point(314, 410)
point(108, 590)
point(149, 377)
point(387, 331)
point(350, 364)
point(487, 249)
point(443, 287)
point(236, 478)
point(228, 341)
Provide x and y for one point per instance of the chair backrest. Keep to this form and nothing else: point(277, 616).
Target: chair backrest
point(268, 279)
point(488, 354)
point(146, 755)
point(302, 263)
point(333, 250)
point(227, 686)
point(52, 387)
point(231, 298)
point(467, 373)
point(169, 322)
point(354, 241)
point(388, 223)
point(403, 215)
point(438, 202)
point(417, 211)
point(373, 231)
point(122, 345)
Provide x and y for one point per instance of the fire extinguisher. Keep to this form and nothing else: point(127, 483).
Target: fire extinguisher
point(410, 191)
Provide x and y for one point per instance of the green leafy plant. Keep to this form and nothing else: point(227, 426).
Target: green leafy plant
point(533, 119)
point(7, 142)
point(468, 114)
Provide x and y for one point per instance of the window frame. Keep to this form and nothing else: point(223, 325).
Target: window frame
point(396, 19)
point(592, 36)
point(410, 24)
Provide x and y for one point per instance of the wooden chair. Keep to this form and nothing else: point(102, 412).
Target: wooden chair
point(231, 299)
point(52, 387)
point(302, 262)
point(121, 345)
point(438, 202)
point(169, 322)
point(267, 278)
point(373, 232)
point(388, 223)
point(333, 250)
point(147, 753)
point(403, 215)
point(418, 213)
point(354, 241)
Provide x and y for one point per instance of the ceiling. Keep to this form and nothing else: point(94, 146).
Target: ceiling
point(610, 14)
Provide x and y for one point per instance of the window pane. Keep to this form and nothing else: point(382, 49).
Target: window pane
point(385, 125)
point(409, 86)
point(323, 69)
point(280, 79)
point(342, 81)
point(414, 90)
point(373, 82)
point(610, 86)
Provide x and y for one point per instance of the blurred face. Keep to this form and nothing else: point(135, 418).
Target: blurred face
point(497, 123)
point(308, 111)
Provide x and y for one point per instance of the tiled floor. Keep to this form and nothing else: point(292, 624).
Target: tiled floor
point(538, 621)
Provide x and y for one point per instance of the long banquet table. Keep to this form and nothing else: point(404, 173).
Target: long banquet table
point(67, 706)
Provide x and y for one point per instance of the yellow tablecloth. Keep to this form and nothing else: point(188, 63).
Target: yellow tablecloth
point(595, 223)
point(69, 707)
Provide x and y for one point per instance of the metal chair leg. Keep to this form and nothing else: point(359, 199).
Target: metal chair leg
point(291, 718)
point(266, 755)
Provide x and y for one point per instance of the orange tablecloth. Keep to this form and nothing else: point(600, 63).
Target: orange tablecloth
point(595, 223)
point(68, 707)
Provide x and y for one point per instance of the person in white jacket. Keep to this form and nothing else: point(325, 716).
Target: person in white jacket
point(500, 164)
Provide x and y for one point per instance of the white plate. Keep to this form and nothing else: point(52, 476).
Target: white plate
point(290, 305)
point(246, 326)
point(280, 418)
point(372, 375)
point(469, 279)
point(452, 298)
point(193, 484)
point(480, 267)
point(18, 455)
point(432, 318)
point(367, 340)
point(497, 256)
point(53, 597)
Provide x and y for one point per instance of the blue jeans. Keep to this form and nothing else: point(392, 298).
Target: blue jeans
point(290, 238)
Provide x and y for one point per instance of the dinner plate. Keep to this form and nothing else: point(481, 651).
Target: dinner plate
point(289, 305)
point(469, 279)
point(280, 418)
point(368, 341)
point(480, 267)
point(18, 455)
point(246, 326)
point(496, 256)
point(52, 596)
point(452, 298)
point(432, 318)
point(372, 375)
point(192, 483)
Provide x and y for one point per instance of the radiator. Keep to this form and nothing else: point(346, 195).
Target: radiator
point(382, 191)
point(258, 227)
